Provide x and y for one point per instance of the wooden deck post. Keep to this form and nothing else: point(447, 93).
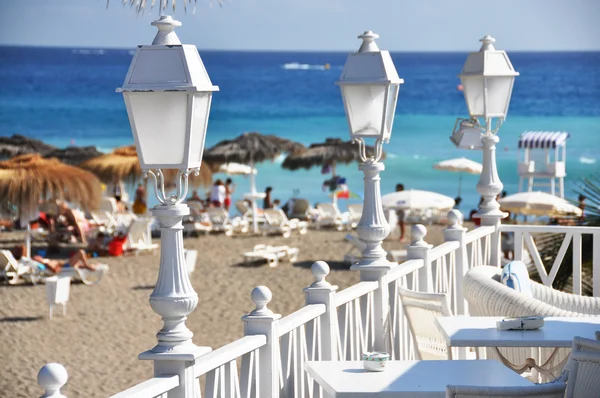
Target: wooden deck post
point(456, 232)
point(263, 321)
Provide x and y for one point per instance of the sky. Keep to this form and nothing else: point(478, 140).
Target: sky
point(318, 25)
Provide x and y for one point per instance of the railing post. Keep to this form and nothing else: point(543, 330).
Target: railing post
point(262, 320)
point(51, 378)
point(323, 292)
point(419, 249)
point(456, 232)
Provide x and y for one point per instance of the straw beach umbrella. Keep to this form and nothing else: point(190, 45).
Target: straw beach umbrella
point(122, 164)
point(327, 153)
point(25, 179)
point(251, 148)
point(459, 165)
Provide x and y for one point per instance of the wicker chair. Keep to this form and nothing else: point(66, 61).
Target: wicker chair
point(487, 296)
point(421, 309)
point(584, 369)
point(549, 390)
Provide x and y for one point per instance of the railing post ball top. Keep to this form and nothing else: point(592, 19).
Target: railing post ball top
point(52, 377)
point(418, 232)
point(320, 270)
point(261, 296)
point(455, 219)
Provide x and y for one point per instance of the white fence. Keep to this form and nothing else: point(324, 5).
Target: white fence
point(269, 360)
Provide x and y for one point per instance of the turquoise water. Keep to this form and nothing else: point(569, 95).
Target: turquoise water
point(67, 96)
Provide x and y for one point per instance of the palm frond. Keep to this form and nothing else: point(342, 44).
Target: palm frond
point(140, 5)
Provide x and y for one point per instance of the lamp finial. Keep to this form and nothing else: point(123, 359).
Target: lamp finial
point(368, 44)
point(488, 43)
point(166, 31)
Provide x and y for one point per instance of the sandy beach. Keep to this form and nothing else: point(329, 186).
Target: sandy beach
point(109, 324)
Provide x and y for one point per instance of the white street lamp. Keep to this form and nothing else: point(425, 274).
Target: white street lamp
point(168, 93)
point(487, 78)
point(370, 85)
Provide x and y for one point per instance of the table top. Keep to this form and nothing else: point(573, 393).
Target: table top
point(423, 379)
point(464, 331)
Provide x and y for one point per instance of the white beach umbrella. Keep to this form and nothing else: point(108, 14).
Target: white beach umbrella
point(538, 204)
point(413, 199)
point(460, 165)
point(233, 168)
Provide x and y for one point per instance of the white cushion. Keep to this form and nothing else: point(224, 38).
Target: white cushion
point(516, 276)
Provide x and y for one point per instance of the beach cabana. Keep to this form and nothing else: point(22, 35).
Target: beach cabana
point(27, 179)
point(251, 148)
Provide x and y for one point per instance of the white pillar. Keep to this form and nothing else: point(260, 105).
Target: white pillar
point(456, 232)
point(173, 299)
point(489, 186)
point(52, 377)
point(419, 249)
point(263, 321)
point(323, 292)
point(374, 266)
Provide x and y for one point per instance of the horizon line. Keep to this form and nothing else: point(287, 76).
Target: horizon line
point(292, 51)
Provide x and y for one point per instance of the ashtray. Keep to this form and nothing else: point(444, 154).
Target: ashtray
point(375, 361)
point(521, 323)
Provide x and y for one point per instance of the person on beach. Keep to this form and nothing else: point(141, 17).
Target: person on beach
point(78, 259)
point(139, 204)
point(229, 189)
point(400, 215)
point(218, 194)
point(267, 203)
point(195, 197)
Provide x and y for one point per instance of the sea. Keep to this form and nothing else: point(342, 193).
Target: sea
point(66, 96)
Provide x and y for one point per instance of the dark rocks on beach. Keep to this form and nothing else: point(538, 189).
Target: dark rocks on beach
point(74, 155)
point(21, 145)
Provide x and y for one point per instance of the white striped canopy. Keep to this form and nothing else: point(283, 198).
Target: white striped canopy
point(543, 139)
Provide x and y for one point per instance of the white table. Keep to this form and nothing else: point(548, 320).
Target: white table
point(557, 332)
point(415, 379)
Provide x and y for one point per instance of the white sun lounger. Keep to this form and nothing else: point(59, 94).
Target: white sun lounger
point(277, 221)
point(355, 214)
point(329, 216)
point(15, 271)
point(139, 236)
point(272, 254)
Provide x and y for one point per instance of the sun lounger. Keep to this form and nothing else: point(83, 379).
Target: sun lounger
point(300, 209)
point(139, 236)
point(354, 255)
point(272, 254)
point(329, 216)
point(15, 271)
point(198, 220)
point(221, 222)
point(277, 221)
point(85, 275)
point(355, 214)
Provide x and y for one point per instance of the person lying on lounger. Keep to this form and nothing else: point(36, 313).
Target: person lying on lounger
point(77, 260)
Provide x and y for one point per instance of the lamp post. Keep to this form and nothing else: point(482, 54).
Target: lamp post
point(168, 93)
point(487, 77)
point(370, 85)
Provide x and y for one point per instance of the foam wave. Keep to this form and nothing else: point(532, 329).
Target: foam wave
point(89, 51)
point(299, 66)
point(585, 160)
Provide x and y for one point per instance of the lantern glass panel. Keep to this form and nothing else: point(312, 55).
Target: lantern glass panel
point(473, 91)
point(391, 109)
point(364, 107)
point(200, 110)
point(498, 95)
point(159, 122)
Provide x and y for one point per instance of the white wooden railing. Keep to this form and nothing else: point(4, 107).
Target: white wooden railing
point(525, 249)
point(269, 360)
